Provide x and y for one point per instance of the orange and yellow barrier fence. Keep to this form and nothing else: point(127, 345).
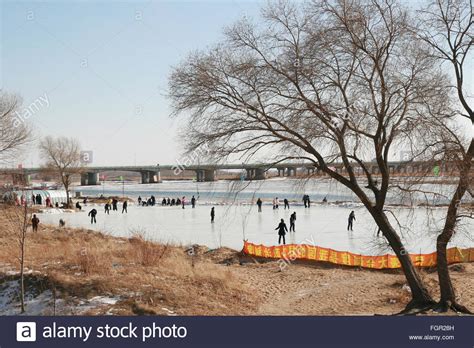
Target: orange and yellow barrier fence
point(292, 252)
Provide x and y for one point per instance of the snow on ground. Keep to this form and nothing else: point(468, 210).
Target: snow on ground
point(56, 211)
point(39, 302)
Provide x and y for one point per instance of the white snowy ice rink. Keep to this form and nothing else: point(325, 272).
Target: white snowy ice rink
point(322, 225)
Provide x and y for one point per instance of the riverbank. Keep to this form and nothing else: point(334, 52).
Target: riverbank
point(78, 271)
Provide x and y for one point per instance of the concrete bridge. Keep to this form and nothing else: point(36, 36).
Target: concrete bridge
point(258, 171)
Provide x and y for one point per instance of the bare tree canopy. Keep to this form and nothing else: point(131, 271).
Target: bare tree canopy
point(447, 26)
point(324, 81)
point(314, 76)
point(14, 133)
point(62, 156)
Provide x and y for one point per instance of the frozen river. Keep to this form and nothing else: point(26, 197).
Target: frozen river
point(244, 191)
point(322, 224)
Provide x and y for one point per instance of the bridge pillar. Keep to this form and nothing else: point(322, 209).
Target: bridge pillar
point(93, 179)
point(199, 175)
point(281, 171)
point(158, 176)
point(209, 175)
point(291, 171)
point(150, 177)
point(257, 173)
point(145, 177)
point(84, 179)
point(260, 174)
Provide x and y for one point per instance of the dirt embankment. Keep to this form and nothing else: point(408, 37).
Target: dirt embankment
point(74, 271)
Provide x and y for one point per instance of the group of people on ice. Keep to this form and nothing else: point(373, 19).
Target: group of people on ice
point(112, 204)
point(166, 201)
point(34, 200)
point(283, 229)
point(147, 201)
point(286, 203)
point(276, 203)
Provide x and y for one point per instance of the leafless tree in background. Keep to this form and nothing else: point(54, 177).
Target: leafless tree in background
point(329, 81)
point(18, 218)
point(14, 133)
point(63, 157)
point(448, 27)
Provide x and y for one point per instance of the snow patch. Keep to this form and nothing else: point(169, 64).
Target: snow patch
point(43, 303)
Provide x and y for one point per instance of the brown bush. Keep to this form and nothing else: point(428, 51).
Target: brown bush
point(145, 252)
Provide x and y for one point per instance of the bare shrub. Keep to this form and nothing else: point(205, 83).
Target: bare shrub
point(18, 218)
point(87, 262)
point(145, 252)
point(91, 259)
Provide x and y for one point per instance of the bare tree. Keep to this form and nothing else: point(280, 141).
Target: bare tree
point(14, 135)
point(14, 132)
point(63, 157)
point(18, 218)
point(332, 81)
point(448, 27)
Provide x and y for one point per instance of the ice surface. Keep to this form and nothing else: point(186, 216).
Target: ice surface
point(322, 225)
point(245, 191)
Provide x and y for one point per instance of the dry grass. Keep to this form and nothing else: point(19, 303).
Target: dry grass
point(149, 277)
point(161, 279)
point(146, 252)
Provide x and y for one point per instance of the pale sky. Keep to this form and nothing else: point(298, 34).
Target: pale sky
point(98, 69)
point(103, 68)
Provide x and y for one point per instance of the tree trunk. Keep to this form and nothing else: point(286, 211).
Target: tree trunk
point(24, 227)
point(67, 199)
point(421, 299)
point(448, 295)
point(66, 187)
point(22, 279)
